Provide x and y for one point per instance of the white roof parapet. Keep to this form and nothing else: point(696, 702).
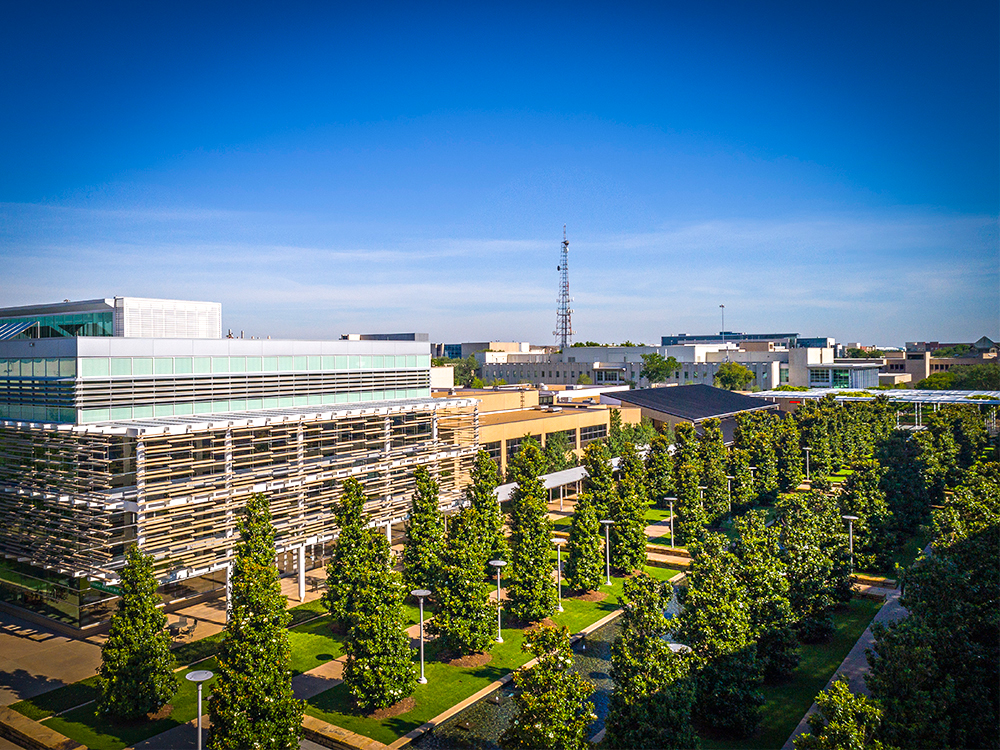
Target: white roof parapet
point(257, 417)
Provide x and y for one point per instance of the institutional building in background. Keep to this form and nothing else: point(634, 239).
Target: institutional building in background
point(131, 420)
point(772, 364)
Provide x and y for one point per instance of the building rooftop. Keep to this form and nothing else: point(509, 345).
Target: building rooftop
point(690, 402)
point(525, 415)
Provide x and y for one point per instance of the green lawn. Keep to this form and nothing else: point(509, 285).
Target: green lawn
point(786, 703)
point(86, 727)
point(447, 685)
point(312, 644)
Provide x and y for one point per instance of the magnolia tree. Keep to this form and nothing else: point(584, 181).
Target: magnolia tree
point(713, 471)
point(252, 703)
point(628, 511)
point(482, 496)
point(652, 701)
point(137, 669)
point(659, 472)
point(343, 571)
point(464, 617)
point(424, 533)
point(764, 577)
point(553, 702)
point(584, 561)
point(844, 720)
point(716, 624)
point(378, 671)
point(530, 593)
point(600, 481)
point(814, 549)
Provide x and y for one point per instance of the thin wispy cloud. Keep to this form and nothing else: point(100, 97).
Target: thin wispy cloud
point(840, 275)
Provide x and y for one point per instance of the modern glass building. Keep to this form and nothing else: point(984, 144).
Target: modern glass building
point(110, 440)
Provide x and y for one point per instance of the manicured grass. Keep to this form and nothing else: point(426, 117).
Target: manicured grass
point(786, 703)
point(563, 523)
point(655, 515)
point(448, 685)
point(313, 644)
point(86, 727)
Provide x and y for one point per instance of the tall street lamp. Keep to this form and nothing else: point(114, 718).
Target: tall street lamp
point(807, 449)
point(607, 550)
point(729, 489)
point(671, 500)
point(850, 536)
point(198, 677)
point(559, 542)
point(498, 564)
point(420, 594)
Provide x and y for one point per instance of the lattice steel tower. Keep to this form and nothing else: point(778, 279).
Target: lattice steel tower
point(564, 315)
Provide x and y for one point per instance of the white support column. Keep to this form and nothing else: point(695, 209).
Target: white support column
point(229, 589)
point(302, 572)
point(388, 533)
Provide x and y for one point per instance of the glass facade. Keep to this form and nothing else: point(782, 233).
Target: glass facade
point(67, 326)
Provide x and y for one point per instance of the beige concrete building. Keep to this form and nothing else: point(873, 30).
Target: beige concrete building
point(507, 415)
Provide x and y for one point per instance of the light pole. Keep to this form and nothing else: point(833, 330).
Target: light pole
point(850, 537)
point(498, 564)
point(607, 550)
point(420, 594)
point(723, 308)
point(729, 489)
point(559, 543)
point(807, 449)
point(701, 492)
point(198, 677)
point(671, 499)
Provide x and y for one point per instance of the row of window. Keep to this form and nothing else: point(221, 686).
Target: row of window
point(130, 366)
point(44, 413)
point(92, 367)
point(251, 404)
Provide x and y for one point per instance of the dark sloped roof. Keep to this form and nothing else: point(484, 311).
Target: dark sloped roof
point(691, 402)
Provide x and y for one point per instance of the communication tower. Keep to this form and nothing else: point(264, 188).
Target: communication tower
point(564, 315)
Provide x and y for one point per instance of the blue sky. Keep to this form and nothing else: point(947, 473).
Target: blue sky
point(322, 168)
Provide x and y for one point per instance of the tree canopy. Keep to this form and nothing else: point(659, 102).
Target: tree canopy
point(251, 704)
point(137, 669)
point(658, 369)
point(733, 376)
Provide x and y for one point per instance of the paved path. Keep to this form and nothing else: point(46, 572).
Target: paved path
point(34, 660)
point(855, 665)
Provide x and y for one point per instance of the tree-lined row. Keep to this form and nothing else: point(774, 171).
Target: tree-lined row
point(935, 675)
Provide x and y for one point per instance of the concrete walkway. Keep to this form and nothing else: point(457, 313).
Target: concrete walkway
point(855, 665)
point(35, 660)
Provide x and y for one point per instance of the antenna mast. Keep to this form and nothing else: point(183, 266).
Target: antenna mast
point(564, 315)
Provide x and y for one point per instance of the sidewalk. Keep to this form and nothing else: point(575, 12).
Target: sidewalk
point(855, 665)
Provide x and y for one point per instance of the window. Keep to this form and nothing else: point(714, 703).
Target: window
point(841, 378)
point(590, 434)
point(819, 376)
point(493, 449)
point(783, 375)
